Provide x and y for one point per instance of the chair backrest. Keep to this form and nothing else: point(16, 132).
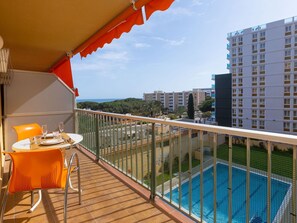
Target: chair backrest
point(37, 169)
point(27, 130)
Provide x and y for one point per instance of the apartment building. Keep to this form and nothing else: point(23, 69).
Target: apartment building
point(173, 100)
point(263, 63)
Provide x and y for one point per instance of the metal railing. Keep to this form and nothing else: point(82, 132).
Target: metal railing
point(210, 173)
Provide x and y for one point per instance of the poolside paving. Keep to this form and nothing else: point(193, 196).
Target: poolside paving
point(106, 198)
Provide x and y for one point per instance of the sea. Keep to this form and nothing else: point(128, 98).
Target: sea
point(100, 100)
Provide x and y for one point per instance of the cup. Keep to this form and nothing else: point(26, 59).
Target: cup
point(56, 135)
point(44, 130)
point(37, 140)
point(61, 127)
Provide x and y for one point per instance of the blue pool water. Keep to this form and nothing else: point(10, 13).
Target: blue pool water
point(258, 192)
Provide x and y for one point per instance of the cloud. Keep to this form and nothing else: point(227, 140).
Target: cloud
point(113, 55)
point(197, 2)
point(141, 45)
point(170, 41)
point(181, 11)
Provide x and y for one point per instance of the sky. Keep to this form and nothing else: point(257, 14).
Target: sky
point(175, 50)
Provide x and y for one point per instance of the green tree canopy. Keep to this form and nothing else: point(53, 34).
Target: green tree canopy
point(133, 106)
point(191, 111)
point(206, 105)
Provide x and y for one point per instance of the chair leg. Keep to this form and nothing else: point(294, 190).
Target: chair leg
point(37, 203)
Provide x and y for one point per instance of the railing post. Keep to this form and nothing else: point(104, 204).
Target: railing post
point(97, 137)
point(153, 164)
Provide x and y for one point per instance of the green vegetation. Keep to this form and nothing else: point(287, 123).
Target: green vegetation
point(133, 106)
point(191, 111)
point(281, 162)
point(206, 105)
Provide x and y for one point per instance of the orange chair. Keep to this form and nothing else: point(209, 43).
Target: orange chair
point(27, 130)
point(45, 171)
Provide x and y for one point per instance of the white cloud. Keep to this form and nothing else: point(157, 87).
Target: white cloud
point(141, 45)
point(170, 41)
point(197, 2)
point(113, 55)
point(180, 11)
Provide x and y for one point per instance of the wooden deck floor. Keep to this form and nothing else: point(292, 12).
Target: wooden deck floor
point(105, 198)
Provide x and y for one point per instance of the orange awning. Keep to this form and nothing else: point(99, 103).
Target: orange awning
point(123, 23)
point(64, 72)
point(156, 5)
point(115, 33)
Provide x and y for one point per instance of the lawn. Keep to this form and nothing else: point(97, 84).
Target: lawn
point(281, 162)
point(184, 168)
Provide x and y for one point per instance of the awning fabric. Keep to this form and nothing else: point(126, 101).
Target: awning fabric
point(64, 72)
point(63, 68)
point(156, 5)
point(115, 33)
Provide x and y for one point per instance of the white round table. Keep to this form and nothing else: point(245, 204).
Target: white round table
point(24, 144)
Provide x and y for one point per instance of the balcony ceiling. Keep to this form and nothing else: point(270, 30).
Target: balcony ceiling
point(39, 33)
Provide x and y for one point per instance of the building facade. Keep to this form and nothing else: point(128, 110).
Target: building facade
point(263, 63)
point(173, 100)
point(223, 99)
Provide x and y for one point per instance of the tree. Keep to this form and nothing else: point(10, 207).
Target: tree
point(191, 110)
point(180, 110)
point(206, 105)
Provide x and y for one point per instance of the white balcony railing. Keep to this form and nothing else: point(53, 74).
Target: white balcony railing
point(210, 173)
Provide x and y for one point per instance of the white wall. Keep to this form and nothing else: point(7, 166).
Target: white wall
point(37, 97)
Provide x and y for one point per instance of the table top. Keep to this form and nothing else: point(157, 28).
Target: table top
point(24, 144)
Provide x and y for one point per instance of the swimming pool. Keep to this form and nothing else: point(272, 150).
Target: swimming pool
point(258, 193)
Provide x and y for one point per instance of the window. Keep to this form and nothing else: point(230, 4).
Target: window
point(287, 90)
point(240, 71)
point(262, 69)
point(254, 101)
point(234, 91)
point(240, 112)
point(254, 123)
point(240, 92)
point(255, 35)
point(286, 126)
point(234, 71)
point(234, 41)
point(240, 122)
point(287, 53)
point(262, 34)
point(287, 102)
point(262, 46)
point(295, 78)
point(262, 80)
point(295, 53)
point(295, 115)
point(294, 127)
point(233, 60)
point(254, 48)
point(262, 58)
point(234, 102)
point(240, 81)
point(288, 42)
point(233, 51)
point(287, 66)
point(288, 29)
point(234, 112)
point(234, 121)
point(254, 80)
point(295, 66)
point(262, 91)
point(240, 102)
point(254, 91)
point(262, 113)
point(261, 124)
point(240, 61)
point(239, 51)
point(262, 102)
point(287, 78)
point(255, 69)
point(286, 114)
point(254, 113)
point(240, 39)
point(295, 90)
point(254, 59)
point(295, 101)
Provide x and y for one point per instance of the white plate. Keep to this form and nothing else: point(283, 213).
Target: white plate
point(49, 142)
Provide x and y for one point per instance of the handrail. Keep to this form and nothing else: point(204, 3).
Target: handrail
point(254, 134)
